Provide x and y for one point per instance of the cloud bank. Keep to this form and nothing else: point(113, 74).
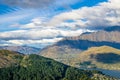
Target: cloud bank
point(102, 15)
point(37, 36)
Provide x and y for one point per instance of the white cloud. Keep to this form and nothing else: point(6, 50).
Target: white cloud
point(35, 23)
point(36, 34)
point(42, 41)
point(39, 43)
point(103, 14)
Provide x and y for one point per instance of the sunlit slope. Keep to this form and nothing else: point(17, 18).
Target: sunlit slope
point(8, 58)
point(102, 57)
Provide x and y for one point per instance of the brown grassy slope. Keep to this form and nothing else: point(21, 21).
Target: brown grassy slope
point(98, 50)
point(8, 57)
point(103, 57)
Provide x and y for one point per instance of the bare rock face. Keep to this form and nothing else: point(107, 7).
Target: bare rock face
point(113, 36)
point(110, 34)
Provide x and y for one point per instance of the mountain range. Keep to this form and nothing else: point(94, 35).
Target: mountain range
point(72, 46)
point(100, 49)
point(22, 49)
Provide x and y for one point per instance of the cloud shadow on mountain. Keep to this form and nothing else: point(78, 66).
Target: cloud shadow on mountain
point(85, 44)
point(108, 58)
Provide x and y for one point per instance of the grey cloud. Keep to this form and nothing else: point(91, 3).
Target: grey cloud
point(39, 3)
point(28, 3)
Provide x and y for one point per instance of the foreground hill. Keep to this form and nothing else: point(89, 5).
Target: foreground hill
point(35, 67)
point(104, 57)
point(8, 58)
point(22, 49)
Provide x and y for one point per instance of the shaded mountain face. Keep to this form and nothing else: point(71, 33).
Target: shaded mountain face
point(78, 44)
point(114, 28)
point(35, 67)
point(22, 49)
point(109, 58)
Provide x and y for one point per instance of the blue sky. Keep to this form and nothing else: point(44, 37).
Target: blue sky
point(40, 23)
